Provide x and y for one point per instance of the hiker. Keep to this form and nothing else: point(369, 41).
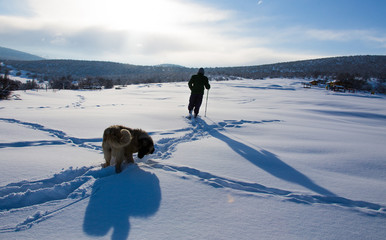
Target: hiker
point(196, 84)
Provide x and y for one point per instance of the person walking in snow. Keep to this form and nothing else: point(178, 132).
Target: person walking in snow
point(196, 84)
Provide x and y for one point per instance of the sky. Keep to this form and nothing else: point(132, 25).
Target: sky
point(194, 33)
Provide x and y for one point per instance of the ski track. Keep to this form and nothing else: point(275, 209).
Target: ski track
point(70, 186)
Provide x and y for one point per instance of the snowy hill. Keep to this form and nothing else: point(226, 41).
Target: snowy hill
point(364, 67)
point(11, 54)
point(271, 160)
point(358, 66)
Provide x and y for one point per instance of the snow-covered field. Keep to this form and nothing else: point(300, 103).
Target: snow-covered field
point(271, 160)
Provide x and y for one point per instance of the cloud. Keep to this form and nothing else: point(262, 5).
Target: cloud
point(381, 40)
point(144, 15)
point(116, 28)
point(370, 37)
point(149, 32)
point(334, 35)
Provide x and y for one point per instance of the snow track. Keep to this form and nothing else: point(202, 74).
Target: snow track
point(70, 186)
point(63, 138)
point(25, 193)
point(61, 190)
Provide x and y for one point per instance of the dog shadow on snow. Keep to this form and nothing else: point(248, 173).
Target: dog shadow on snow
point(267, 161)
point(114, 199)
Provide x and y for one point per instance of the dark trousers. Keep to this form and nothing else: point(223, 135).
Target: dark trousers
point(195, 102)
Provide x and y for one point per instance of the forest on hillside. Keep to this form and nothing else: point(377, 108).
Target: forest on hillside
point(350, 71)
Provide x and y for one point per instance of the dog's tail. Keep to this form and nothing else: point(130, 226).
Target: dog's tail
point(118, 139)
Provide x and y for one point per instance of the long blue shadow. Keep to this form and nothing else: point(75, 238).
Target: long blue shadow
point(114, 199)
point(267, 161)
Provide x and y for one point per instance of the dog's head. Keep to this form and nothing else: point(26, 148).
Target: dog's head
point(146, 146)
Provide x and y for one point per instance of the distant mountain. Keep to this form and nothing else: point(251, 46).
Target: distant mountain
point(62, 73)
point(369, 66)
point(10, 54)
point(354, 67)
point(169, 65)
point(119, 72)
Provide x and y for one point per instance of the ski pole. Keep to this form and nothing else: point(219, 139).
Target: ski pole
point(206, 105)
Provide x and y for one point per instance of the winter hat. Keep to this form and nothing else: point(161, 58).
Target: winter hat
point(201, 71)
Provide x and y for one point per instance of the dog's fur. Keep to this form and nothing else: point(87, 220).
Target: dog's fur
point(121, 142)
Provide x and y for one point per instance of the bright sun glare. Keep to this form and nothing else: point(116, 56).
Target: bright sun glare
point(121, 15)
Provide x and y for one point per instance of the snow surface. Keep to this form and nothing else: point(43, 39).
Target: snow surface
point(270, 161)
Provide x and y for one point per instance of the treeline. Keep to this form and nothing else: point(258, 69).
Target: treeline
point(78, 70)
point(365, 67)
point(352, 71)
point(361, 66)
point(7, 86)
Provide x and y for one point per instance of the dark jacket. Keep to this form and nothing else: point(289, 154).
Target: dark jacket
point(197, 84)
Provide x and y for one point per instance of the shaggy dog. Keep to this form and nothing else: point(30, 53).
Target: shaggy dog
point(121, 142)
